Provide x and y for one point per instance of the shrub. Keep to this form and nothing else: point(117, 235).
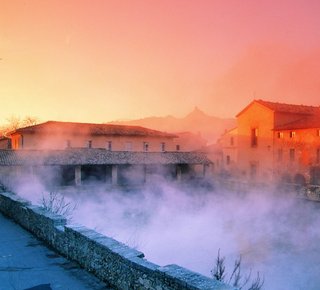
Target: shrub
point(235, 279)
point(55, 202)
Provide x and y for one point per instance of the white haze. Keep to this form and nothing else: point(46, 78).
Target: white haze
point(276, 235)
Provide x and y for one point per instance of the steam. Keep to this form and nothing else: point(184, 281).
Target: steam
point(275, 234)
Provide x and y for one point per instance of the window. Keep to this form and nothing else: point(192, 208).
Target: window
point(90, 144)
point(231, 141)
point(145, 146)
point(163, 146)
point(9, 144)
point(318, 132)
point(109, 145)
point(128, 146)
point(253, 170)
point(254, 137)
point(22, 141)
point(178, 147)
point(280, 135)
point(228, 159)
point(280, 154)
point(292, 134)
point(292, 154)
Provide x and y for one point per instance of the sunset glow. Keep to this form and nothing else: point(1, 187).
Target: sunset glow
point(97, 61)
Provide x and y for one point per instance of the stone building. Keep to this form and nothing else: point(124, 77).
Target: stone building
point(61, 135)
point(274, 141)
point(229, 142)
point(64, 153)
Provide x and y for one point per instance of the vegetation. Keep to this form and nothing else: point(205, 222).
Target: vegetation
point(236, 279)
point(2, 188)
point(14, 123)
point(56, 203)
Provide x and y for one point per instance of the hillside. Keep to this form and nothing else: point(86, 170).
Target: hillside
point(196, 122)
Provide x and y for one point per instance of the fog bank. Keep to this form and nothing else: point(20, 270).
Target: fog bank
point(276, 235)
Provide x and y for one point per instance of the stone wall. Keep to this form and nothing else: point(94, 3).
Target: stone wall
point(118, 265)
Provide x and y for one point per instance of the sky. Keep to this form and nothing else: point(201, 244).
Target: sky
point(98, 61)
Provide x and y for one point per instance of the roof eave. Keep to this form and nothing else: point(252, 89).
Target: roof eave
point(253, 102)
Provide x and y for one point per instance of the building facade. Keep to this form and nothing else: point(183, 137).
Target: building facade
point(275, 142)
point(65, 153)
point(54, 135)
point(5, 143)
point(229, 142)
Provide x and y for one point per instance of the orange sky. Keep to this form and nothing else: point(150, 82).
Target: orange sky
point(97, 61)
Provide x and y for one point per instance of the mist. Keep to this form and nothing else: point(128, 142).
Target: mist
point(173, 223)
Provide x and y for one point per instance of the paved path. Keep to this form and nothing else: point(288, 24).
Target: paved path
point(27, 264)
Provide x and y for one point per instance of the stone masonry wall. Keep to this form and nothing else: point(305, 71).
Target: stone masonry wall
point(118, 265)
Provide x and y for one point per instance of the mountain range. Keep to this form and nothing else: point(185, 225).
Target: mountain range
point(197, 122)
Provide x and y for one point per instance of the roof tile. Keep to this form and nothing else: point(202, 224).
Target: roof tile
point(290, 108)
point(85, 156)
point(309, 122)
point(55, 127)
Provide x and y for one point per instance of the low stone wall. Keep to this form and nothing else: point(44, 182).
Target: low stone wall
point(113, 262)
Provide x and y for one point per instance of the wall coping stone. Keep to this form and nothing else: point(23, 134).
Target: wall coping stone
point(191, 278)
point(106, 242)
point(17, 198)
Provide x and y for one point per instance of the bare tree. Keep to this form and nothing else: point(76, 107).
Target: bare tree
point(15, 122)
point(219, 271)
point(55, 202)
point(235, 279)
point(30, 121)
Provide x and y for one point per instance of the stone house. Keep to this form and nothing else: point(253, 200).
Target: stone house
point(297, 150)
point(66, 153)
point(229, 142)
point(61, 135)
point(275, 141)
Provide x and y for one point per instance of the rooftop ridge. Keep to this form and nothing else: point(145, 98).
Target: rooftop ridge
point(280, 104)
point(93, 129)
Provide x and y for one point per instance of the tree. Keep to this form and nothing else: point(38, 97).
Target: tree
point(55, 202)
point(14, 123)
point(235, 279)
point(30, 121)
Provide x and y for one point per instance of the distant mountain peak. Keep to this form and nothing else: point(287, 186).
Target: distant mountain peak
point(197, 113)
point(197, 122)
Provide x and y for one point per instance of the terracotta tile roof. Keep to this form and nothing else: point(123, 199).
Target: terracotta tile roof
point(284, 108)
point(309, 122)
point(85, 156)
point(290, 108)
point(54, 127)
point(310, 115)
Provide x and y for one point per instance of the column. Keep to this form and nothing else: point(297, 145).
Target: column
point(179, 173)
point(114, 174)
point(204, 170)
point(78, 175)
point(144, 174)
point(108, 173)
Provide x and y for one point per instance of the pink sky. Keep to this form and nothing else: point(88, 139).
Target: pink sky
point(97, 61)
